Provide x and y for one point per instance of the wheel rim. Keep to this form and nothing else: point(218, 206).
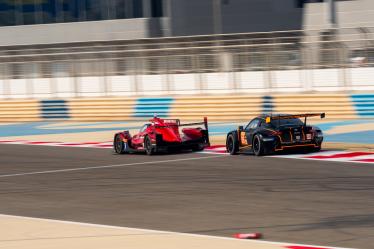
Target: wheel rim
point(118, 144)
point(230, 144)
point(148, 145)
point(256, 145)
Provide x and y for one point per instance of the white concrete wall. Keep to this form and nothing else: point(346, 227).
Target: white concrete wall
point(64, 87)
point(91, 86)
point(2, 89)
point(318, 80)
point(184, 84)
point(362, 77)
point(42, 88)
point(19, 88)
point(152, 84)
point(121, 85)
point(216, 82)
point(249, 81)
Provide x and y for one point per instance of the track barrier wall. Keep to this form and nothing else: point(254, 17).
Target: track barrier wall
point(216, 107)
point(243, 82)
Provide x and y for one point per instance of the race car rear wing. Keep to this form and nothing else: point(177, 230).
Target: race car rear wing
point(305, 116)
point(205, 123)
point(283, 116)
point(176, 122)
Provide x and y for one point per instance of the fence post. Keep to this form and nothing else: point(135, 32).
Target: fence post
point(197, 72)
point(76, 76)
point(136, 75)
point(104, 78)
point(167, 71)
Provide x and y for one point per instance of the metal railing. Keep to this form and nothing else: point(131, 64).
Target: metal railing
point(288, 50)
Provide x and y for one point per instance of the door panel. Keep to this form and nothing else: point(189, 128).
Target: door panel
point(251, 130)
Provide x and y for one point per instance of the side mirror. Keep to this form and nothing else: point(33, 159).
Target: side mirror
point(323, 115)
point(240, 128)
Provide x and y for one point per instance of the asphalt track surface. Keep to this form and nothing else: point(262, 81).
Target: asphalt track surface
point(288, 200)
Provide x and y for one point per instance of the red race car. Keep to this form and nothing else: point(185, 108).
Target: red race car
point(163, 135)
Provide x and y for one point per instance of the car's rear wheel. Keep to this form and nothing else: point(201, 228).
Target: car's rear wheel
point(148, 146)
point(258, 146)
point(118, 144)
point(231, 145)
point(316, 149)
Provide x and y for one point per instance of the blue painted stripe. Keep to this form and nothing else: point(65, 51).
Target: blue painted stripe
point(148, 107)
point(267, 104)
point(364, 108)
point(368, 114)
point(54, 109)
point(362, 96)
point(364, 101)
point(139, 108)
point(364, 104)
point(56, 117)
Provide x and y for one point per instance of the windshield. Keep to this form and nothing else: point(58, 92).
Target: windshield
point(286, 122)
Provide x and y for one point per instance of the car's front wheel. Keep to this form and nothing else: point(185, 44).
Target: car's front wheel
point(231, 145)
point(257, 146)
point(119, 145)
point(148, 146)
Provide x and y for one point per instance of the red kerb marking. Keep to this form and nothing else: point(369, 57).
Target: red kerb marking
point(370, 160)
point(40, 142)
point(104, 145)
point(305, 247)
point(341, 155)
point(215, 146)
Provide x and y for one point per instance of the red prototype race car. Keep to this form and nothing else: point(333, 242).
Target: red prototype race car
point(163, 135)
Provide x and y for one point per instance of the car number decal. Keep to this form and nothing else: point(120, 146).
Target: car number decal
point(243, 138)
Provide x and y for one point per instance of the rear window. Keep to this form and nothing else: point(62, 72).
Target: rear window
point(286, 122)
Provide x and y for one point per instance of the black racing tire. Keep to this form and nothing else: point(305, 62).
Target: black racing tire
point(232, 145)
point(316, 149)
point(257, 146)
point(118, 145)
point(148, 146)
point(198, 147)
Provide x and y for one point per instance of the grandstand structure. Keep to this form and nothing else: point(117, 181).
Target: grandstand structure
point(65, 48)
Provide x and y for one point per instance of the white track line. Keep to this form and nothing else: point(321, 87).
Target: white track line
point(164, 232)
point(106, 166)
